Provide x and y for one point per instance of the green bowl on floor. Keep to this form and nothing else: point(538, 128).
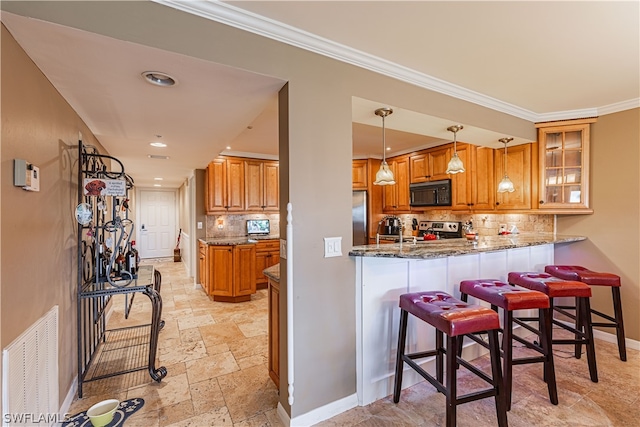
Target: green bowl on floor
point(102, 413)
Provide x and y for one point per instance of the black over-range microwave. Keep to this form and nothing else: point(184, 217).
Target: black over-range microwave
point(434, 193)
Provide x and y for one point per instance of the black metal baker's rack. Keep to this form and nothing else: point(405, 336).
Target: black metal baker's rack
point(102, 352)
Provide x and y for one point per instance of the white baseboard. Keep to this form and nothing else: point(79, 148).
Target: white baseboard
point(282, 414)
point(68, 400)
point(324, 412)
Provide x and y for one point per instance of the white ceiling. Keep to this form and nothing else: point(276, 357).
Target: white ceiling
point(535, 60)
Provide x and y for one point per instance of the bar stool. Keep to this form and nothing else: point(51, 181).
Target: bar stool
point(510, 298)
point(454, 318)
point(594, 278)
point(556, 288)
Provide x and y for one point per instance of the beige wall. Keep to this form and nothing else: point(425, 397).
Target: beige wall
point(614, 227)
point(39, 232)
point(315, 137)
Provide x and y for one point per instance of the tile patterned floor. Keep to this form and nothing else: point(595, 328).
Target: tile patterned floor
point(216, 355)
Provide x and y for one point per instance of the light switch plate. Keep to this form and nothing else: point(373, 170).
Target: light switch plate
point(199, 225)
point(332, 247)
point(283, 248)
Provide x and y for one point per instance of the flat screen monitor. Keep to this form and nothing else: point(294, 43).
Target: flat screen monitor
point(258, 226)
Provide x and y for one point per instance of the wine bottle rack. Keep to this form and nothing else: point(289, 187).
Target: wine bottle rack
point(106, 267)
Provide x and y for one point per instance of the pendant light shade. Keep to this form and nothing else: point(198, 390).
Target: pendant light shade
point(455, 164)
point(384, 176)
point(505, 186)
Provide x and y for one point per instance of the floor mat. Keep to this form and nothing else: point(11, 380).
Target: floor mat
point(125, 409)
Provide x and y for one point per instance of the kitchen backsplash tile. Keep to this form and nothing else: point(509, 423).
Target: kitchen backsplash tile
point(487, 224)
point(236, 225)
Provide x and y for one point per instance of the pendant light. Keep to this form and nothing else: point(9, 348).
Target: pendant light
point(384, 175)
point(505, 186)
point(455, 164)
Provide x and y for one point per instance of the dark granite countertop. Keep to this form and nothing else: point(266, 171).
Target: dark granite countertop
point(273, 272)
point(453, 247)
point(239, 240)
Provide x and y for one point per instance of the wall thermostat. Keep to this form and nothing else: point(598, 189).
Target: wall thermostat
point(26, 175)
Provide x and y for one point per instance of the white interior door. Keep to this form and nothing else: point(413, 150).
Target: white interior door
point(157, 230)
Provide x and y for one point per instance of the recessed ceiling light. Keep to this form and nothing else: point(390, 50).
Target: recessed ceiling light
point(153, 156)
point(388, 148)
point(157, 185)
point(228, 147)
point(157, 179)
point(158, 144)
point(159, 78)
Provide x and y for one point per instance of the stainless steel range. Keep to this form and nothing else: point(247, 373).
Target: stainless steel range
point(441, 229)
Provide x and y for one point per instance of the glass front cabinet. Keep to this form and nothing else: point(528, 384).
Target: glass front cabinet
point(564, 164)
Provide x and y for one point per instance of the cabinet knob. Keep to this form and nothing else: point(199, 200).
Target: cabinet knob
point(541, 202)
point(497, 203)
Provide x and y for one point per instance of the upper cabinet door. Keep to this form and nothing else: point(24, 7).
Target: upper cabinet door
point(254, 181)
point(359, 175)
point(396, 197)
point(235, 189)
point(519, 170)
point(262, 186)
point(216, 186)
point(430, 165)
point(438, 160)
point(473, 189)
point(564, 164)
point(271, 186)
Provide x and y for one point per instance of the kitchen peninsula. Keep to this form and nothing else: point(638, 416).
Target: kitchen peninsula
point(231, 267)
point(384, 272)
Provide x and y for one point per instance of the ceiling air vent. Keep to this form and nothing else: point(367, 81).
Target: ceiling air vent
point(153, 156)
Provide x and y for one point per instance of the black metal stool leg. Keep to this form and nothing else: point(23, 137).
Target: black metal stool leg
point(617, 313)
point(496, 372)
point(451, 392)
point(507, 348)
point(545, 326)
point(585, 307)
point(402, 339)
point(580, 327)
point(439, 358)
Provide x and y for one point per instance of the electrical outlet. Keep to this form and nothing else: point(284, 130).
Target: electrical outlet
point(199, 225)
point(503, 227)
point(332, 247)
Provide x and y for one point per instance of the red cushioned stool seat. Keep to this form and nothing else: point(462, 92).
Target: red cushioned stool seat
point(556, 288)
point(510, 298)
point(594, 278)
point(454, 318)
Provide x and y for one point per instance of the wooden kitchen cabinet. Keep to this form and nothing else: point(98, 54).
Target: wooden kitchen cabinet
point(474, 188)
point(431, 164)
point(202, 267)
point(274, 331)
point(395, 198)
point(359, 174)
point(520, 169)
point(225, 185)
point(564, 164)
point(231, 272)
point(267, 254)
point(261, 186)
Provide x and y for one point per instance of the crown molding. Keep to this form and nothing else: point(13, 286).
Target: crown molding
point(619, 106)
point(266, 27)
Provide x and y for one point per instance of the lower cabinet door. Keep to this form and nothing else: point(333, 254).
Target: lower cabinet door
point(274, 332)
point(244, 266)
point(221, 271)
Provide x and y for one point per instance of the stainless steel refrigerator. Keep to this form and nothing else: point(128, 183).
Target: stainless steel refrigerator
point(359, 213)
